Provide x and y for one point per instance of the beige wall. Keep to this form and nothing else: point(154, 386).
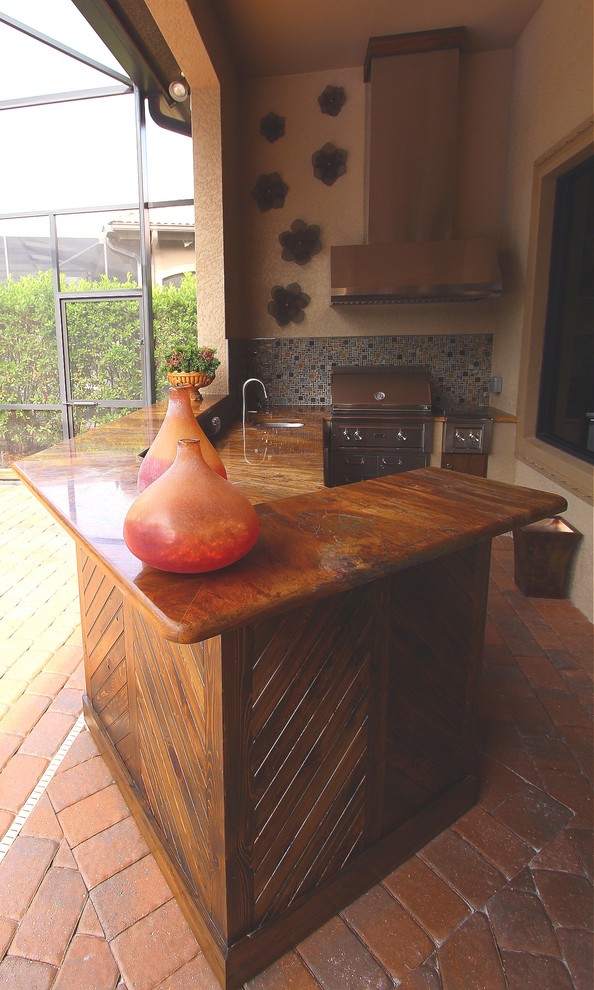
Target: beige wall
point(339, 209)
point(551, 96)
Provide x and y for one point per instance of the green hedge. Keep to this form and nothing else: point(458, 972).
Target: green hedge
point(103, 345)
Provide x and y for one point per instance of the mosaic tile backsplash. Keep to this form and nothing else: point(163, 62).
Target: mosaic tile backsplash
point(296, 371)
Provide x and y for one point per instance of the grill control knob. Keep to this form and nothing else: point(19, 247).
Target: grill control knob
point(346, 434)
point(357, 435)
point(401, 436)
point(474, 437)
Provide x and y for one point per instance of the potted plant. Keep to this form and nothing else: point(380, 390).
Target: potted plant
point(191, 365)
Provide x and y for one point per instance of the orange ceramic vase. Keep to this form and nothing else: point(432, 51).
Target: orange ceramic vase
point(180, 423)
point(190, 520)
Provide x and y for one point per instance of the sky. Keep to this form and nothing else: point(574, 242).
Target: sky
point(72, 155)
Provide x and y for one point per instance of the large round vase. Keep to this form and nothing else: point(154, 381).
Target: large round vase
point(180, 423)
point(190, 520)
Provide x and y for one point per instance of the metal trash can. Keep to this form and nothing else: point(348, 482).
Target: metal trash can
point(542, 556)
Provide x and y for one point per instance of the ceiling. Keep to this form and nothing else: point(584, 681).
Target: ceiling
point(283, 37)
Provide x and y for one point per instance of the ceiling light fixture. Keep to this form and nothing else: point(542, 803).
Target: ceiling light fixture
point(179, 90)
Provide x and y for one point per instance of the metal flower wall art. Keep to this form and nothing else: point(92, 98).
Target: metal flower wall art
point(332, 100)
point(300, 243)
point(270, 191)
point(272, 127)
point(329, 163)
point(287, 304)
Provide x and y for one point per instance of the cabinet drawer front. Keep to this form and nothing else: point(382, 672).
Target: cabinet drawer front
point(355, 460)
point(394, 463)
point(347, 468)
point(383, 436)
point(407, 436)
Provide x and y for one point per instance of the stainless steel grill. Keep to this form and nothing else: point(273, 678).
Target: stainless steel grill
point(380, 423)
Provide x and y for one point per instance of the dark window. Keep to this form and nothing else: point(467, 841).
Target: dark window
point(566, 399)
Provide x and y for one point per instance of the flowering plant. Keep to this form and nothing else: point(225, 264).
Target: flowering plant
point(191, 357)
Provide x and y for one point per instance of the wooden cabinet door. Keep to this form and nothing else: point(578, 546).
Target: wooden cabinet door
point(467, 463)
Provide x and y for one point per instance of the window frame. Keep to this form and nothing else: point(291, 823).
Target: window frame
point(565, 469)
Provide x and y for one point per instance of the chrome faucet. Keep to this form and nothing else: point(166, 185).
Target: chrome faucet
point(245, 384)
point(264, 454)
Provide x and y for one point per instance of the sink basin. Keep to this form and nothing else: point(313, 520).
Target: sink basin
point(277, 423)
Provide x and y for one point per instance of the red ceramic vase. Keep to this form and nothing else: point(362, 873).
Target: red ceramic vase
point(180, 423)
point(190, 520)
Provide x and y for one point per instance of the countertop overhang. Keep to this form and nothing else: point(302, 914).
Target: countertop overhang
point(313, 543)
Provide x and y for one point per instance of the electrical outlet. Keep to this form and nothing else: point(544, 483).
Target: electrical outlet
point(496, 386)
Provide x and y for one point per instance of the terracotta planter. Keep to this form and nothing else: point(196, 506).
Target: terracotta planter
point(194, 379)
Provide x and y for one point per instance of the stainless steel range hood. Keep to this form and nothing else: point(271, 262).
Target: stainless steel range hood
point(410, 254)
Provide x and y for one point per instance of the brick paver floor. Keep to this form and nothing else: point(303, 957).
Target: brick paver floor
point(502, 900)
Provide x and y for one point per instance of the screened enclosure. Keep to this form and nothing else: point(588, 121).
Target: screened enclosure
point(97, 261)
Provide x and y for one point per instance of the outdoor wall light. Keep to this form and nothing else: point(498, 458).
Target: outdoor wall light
point(179, 90)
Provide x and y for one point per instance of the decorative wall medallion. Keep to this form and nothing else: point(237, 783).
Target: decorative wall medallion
point(332, 100)
point(272, 127)
point(329, 163)
point(300, 243)
point(270, 191)
point(287, 304)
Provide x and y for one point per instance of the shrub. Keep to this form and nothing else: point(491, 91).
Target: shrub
point(104, 348)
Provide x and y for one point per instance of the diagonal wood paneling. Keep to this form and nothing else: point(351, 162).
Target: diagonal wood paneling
point(102, 610)
point(309, 751)
point(435, 646)
point(173, 759)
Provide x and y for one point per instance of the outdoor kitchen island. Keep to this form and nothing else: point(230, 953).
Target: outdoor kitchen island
point(288, 730)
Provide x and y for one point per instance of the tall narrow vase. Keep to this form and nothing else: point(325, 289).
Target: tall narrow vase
point(190, 520)
point(180, 423)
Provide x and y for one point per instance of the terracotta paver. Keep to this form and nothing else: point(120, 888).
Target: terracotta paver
point(17, 973)
point(110, 851)
point(428, 898)
point(288, 972)
point(24, 714)
point(139, 951)
point(522, 970)
point(47, 736)
point(566, 898)
point(93, 814)
point(454, 859)
point(520, 923)
point(130, 895)
point(45, 932)
point(17, 780)
point(498, 844)
point(533, 815)
point(469, 958)
point(578, 952)
point(394, 938)
point(43, 822)
point(22, 871)
point(7, 930)
point(79, 782)
point(337, 958)
point(88, 963)
point(8, 747)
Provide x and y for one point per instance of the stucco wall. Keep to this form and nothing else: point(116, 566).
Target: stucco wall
point(551, 95)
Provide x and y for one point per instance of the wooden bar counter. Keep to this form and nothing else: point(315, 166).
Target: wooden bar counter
point(288, 730)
